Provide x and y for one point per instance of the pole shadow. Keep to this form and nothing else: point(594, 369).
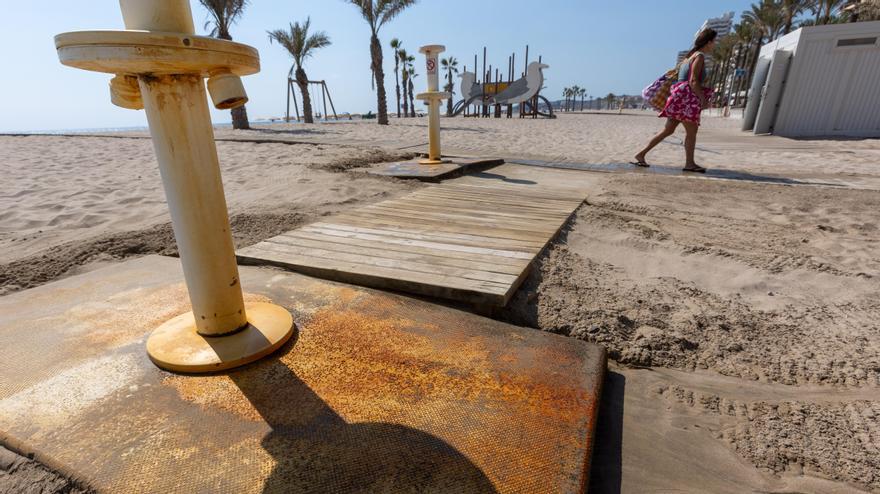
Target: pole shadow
point(496, 176)
point(606, 471)
point(317, 451)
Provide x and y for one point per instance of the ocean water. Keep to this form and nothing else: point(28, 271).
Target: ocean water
point(342, 118)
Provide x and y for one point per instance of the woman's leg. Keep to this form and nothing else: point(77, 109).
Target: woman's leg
point(690, 144)
point(667, 131)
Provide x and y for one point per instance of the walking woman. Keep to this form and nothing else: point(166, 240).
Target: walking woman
point(687, 99)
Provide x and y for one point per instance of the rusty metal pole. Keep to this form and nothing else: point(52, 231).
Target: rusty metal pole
point(160, 65)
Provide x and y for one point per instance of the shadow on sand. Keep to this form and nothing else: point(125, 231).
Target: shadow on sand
point(317, 451)
point(606, 469)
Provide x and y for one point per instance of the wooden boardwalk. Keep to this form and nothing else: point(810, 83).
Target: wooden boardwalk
point(470, 240)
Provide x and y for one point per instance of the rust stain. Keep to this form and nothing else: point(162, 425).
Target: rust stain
point(369, 363)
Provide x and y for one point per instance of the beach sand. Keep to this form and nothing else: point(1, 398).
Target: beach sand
point(741, 317)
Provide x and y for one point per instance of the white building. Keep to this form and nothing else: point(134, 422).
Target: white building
point(722, 25)
point(818, 81)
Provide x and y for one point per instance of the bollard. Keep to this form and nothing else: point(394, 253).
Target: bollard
point(433, 97)
point(160, 52)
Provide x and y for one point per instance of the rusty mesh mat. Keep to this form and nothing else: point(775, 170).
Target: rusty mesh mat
point(376, 393)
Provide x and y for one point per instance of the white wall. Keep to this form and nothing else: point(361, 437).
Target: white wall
point(830, 90)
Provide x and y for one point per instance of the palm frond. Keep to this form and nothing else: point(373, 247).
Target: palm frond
point(386, 10)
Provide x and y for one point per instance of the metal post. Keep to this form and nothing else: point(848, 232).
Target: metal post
point(433, 96)
point(183, 140)
point(335, 116)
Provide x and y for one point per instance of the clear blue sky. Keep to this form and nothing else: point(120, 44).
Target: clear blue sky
point(603, 46)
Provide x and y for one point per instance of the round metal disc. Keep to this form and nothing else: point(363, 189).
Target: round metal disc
point(176, 346)
point(142, 52)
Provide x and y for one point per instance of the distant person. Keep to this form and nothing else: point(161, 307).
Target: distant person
point(687, 99)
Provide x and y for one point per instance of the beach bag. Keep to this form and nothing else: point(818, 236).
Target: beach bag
point(658, 92)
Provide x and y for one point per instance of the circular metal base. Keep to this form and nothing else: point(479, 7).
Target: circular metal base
point(176, 346)
point(428, 161)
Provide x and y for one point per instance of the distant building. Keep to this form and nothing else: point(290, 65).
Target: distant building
point(722, 25)
point(681, 56)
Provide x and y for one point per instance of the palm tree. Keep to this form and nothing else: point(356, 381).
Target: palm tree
point(575, 90)
point(831, 7)
point(790, 10)
point(223, 14)
point(411, 74)
point(404, 74)
point(566, 93)
point(867, 11)
point(377, 13)
point(450, 65)
point(396, 45)
point(301, 45)
point(610, 99)
point(583, 95)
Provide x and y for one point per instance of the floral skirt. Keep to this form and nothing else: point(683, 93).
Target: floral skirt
point(683, 103)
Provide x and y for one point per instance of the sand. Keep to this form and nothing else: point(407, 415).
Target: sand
point(741, 317)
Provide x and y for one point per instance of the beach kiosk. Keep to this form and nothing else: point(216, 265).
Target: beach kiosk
point(160, 65)
point(818, 81)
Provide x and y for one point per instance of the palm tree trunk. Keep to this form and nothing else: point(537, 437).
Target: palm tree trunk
point(379, 76)
point(449, 90)
point(405, 94)
point(397, 80)
point(240, 118)
point(412, 103)
point(239, 115)
point(303, 82)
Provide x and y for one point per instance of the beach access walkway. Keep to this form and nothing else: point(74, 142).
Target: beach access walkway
point(472, 239)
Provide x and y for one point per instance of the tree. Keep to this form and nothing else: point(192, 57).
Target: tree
point(566, 94)
point(868, 10)
point(450, 65)
point(396, 45)
point(301, 45)
point(790, 10)
point(575, 90)
point(830, 7)
point(610, 98)
point(411, 74)
point(404, 74)
point(377, 13)
point(223, 14)
point(583, 95)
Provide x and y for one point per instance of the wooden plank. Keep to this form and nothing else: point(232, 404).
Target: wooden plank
point(472, 241)
point(295, 235)
point(520, 191)
point(385, 278)
point(513, 202)
point(496, 265)
point(491, 209)
point(392, 221)
point(420, 243)
point(474, 218)
point(461, 239)
point(407, 265)
point(408, 217)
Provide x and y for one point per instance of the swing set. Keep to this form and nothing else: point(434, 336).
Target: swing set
point(313, 87)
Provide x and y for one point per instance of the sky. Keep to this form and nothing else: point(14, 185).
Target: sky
point(618, 47)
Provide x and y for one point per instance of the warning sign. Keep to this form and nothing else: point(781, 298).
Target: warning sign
point(432, 65)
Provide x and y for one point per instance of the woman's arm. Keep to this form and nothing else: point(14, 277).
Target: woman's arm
point(696, 74)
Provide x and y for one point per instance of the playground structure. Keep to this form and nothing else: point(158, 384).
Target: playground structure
point(156, 60)
point(291, 94)
point(489, 96)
